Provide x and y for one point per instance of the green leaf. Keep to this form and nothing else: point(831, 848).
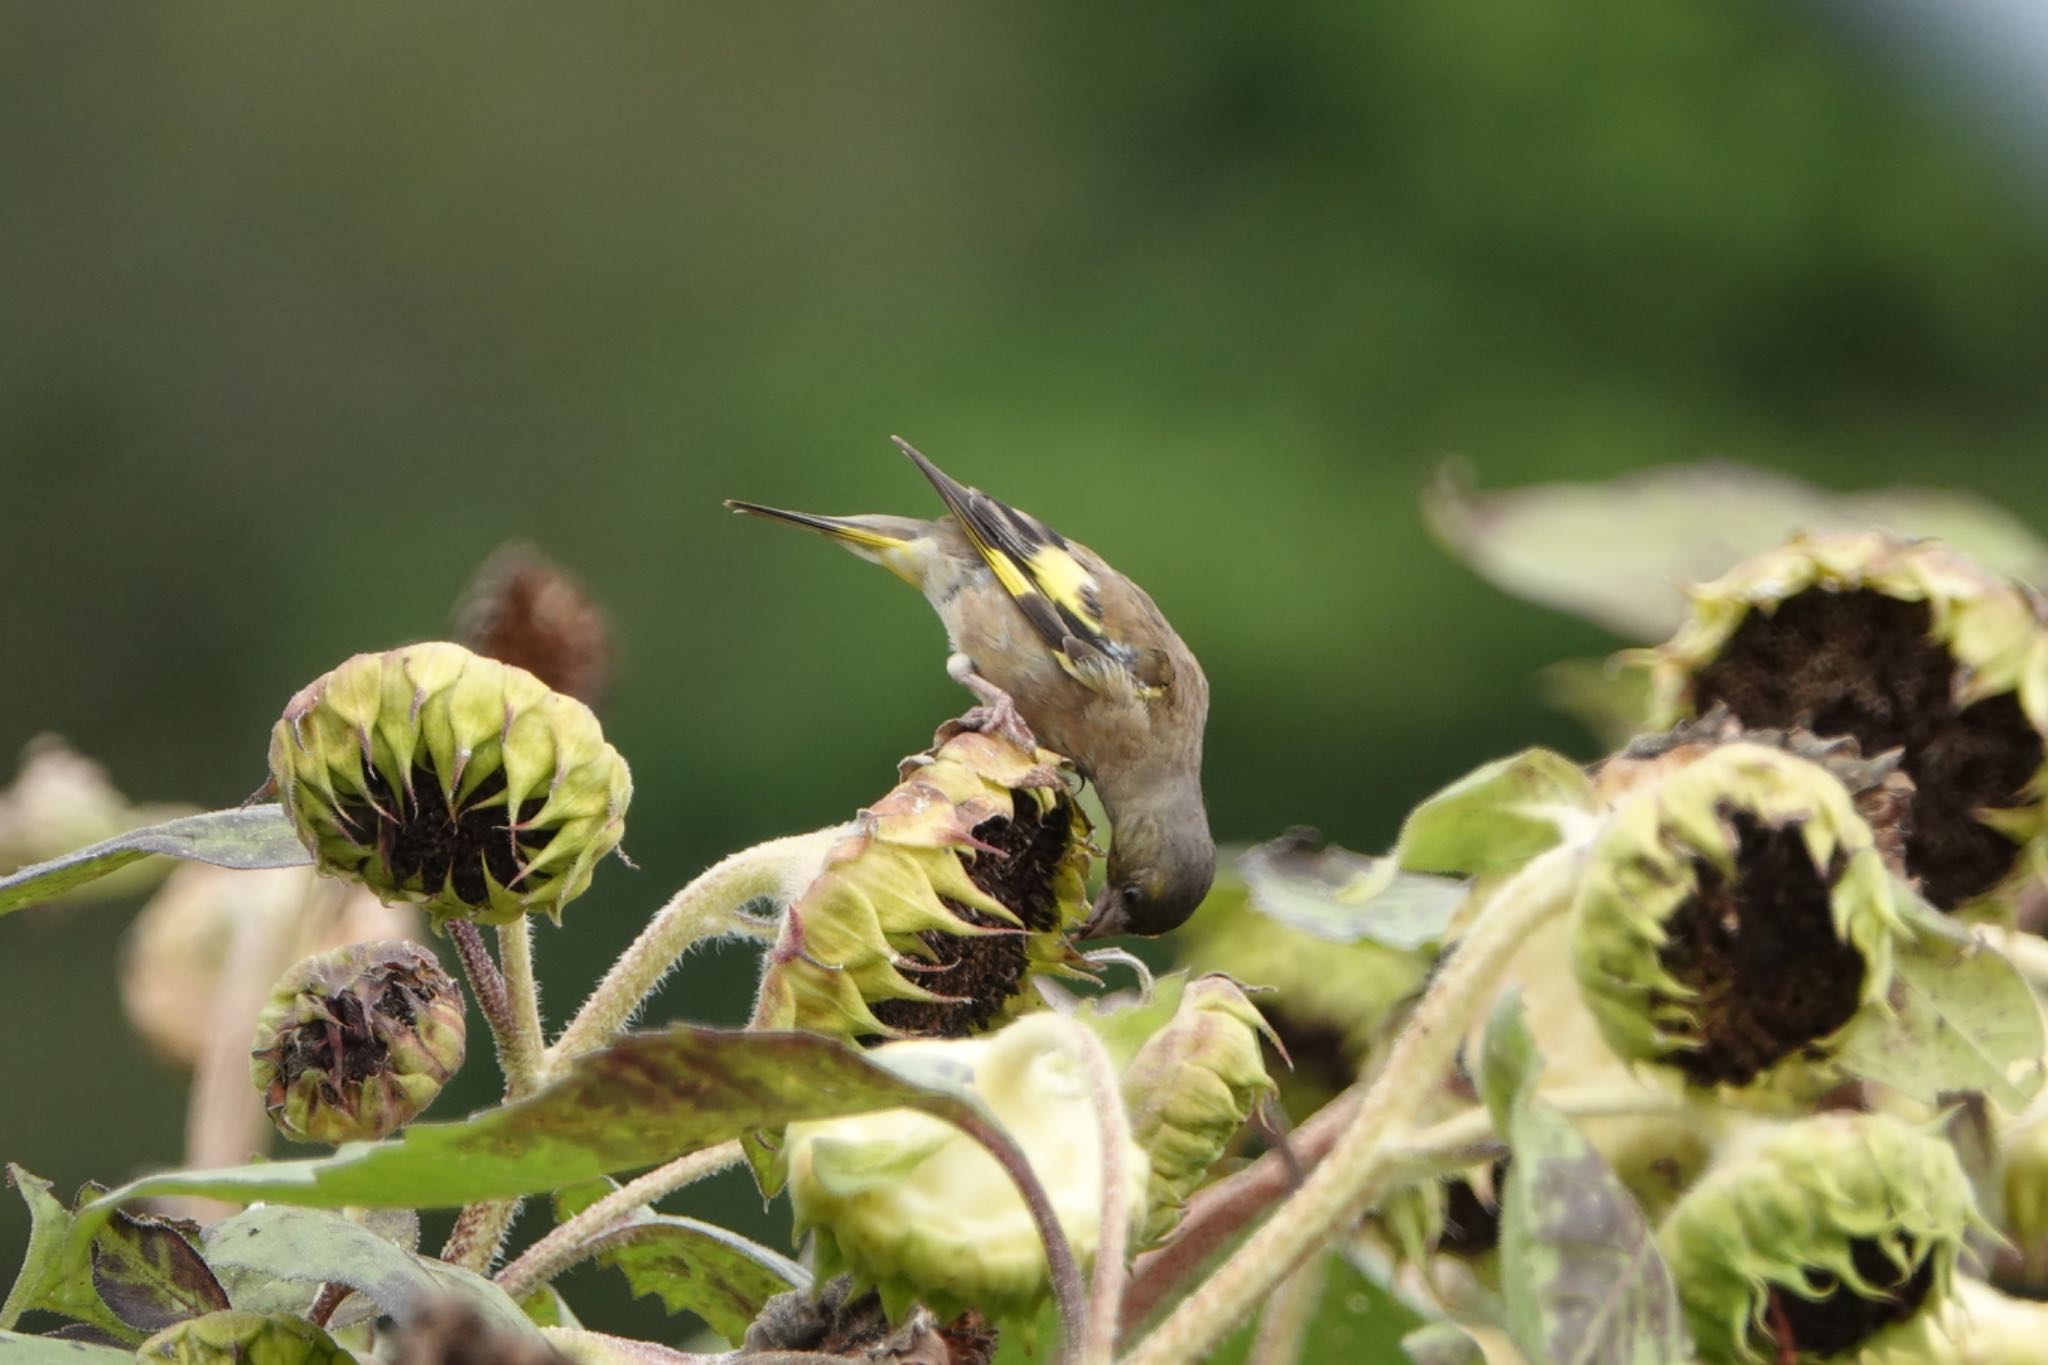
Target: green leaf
point(646, 1099)
point(697, 1268)
point(1619, 553)
point(1580, 1272)
point(1610, 697)
point(48, 1279)
point(1127, 1025)
point(546, 1307)
point(150, 1275)
point(1508, 1061)
point(244, 837)
point(1342, 896)
point(1962, 1018)
point(16, 1349)
point(317, 1247)
point(1497, 817)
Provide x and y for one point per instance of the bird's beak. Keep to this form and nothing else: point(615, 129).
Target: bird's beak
point(1108, 920)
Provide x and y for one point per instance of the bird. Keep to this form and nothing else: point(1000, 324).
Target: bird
point(1056, 644)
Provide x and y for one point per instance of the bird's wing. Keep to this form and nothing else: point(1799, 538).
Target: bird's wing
point(1058, 593)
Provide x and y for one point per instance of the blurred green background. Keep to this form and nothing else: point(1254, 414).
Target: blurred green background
point(307, 308)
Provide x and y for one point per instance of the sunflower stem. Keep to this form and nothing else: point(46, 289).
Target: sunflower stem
point(522, 1055)
point(1113, 1133)
point(574, 1241)
point(712, 906)
point(1339, 1188)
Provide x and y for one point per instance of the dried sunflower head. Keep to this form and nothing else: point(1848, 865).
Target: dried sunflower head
point(1900, 644)
point(930, 918)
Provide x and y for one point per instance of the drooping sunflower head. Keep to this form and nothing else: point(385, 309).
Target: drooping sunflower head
point(1903, 645)
point(930, 918)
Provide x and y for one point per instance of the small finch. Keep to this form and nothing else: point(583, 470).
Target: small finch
point(1048, 636)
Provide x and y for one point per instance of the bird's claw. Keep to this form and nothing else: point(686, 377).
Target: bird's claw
point(1001, 720)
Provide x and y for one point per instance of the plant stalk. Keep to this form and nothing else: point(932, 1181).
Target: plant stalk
point(522, 1056)
point(1113, 1132)
point(1337, 1190)
point(709, 907)
point(569, 1244)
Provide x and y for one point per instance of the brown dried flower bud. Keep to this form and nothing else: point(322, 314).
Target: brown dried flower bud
point(356, 1042)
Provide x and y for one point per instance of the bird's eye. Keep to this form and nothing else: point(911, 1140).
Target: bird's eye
point(1132, 895)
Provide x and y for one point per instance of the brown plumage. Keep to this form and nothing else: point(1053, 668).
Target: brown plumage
point(1045, 631)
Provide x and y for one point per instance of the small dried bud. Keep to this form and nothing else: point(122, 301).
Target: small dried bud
point(452, 781)
point(929, 919)
point(1330, 1003)
point(914, 1208)
point(179, 948)
point(356, 1042)
point(1732, 920)
point(523, 609)
point(1190, 1088)
point(230, 1338)
point(1901, 645)
point(1811, 1241)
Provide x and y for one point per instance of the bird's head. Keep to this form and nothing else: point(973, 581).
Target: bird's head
point(1161, 861)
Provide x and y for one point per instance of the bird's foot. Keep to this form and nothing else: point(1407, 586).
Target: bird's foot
point(998, 720)
point(997, 715)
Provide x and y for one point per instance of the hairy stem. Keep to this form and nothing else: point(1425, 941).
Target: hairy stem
point(521, 1055)
point(1217, 1213)
point(478, 1233)
point(1337, 1190)
point(570, 1243)
point(1113, 1132)
point(1283, 1327)
point(485, 981)
point(510, 1001)
point(709, 907)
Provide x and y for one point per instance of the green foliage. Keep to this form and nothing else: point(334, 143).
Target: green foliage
point(316, 1246)
point(1580, 1272)
point(150, 1274)
point(1961, 1018)
point(244, 837)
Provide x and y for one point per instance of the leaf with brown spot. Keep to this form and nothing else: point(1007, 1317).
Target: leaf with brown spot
point(646, 1099)
point(697, 1268)
point(49, 1280)
point(1580, 1273)
point(148, 1272)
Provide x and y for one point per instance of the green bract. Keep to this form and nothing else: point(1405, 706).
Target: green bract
point(1732, 919)
point(355, 1042)
point(232, 1338)
point(438, 776)
point(1331, 1002)
point(1190, 1088)
point(929, 917)
point(1899, 644)
point(912, 1206)
point(1806, 1241)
